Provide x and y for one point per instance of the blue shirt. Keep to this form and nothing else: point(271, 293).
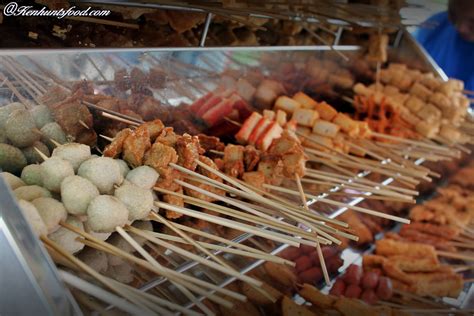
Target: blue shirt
point(452, 53)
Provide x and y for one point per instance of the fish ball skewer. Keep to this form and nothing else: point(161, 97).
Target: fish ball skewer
point(51, 211)
point(105, 213)
point(75, 153)
point(67, 238)
point(53, 171)
point(77, 193)
point(138, 201)
point(143, 176)
point(33, 217)
point(103, 172)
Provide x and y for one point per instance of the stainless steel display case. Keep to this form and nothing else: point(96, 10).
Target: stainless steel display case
point(32, 264)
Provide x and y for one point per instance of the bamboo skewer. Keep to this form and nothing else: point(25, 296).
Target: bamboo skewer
point(355, 208)
point(276, 225)
point(454, 255)
point(318, 245)
point(292, 241)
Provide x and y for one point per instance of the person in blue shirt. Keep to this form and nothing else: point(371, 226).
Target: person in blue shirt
point(449, 39)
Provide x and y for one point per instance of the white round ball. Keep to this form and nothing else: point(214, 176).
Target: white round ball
point(75, 153)
point(138, 201)
point(105, 213)
point(31, 175)
point(53, 171)
point(31, 192)
point(103, 172)
point(13, 181)
point(143, 176)
point(76, 194)
point(51, 211)
point(67, 238)
point(33, 218)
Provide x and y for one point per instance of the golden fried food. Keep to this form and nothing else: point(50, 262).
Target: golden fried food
point(159, 157)
point(114, 149)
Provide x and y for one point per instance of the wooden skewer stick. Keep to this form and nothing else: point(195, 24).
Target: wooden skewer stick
point(355, 208)
point(239, 252)
point(411, 142)
point(220, 239)
point(273, 221)
point(83, 124)
point(191, 241)
point(318, 246)
point(160, 270)
point(232, 224)
point(454, 255)
point(117, 118)
point(276, 225)
point(289, 205)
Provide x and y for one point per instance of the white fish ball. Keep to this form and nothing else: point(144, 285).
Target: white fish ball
point(67, 238)
point(103, 172)
point(138, 201)
point(51, 211)
point(13, 181)
point(31, 192)
point(53, 171)
point(76, 194)
point(105, 213)
point(33, 217)
point(75, 153)
point(31, 175)
point(143, 176)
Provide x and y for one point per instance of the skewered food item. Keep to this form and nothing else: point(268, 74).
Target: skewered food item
point(95, 259)
point(53, 171)
point(414, 267)
point(75, 153)
point(31, 192)
point(7, 110)
point(67, 238)
point(51, 211)
point(12, 181)
point(103, 172)
point(77, 193)
point(33, 218)
point(41, 115)
point(11, 159)
point(53, 132)
point(106, 212)
point(143, 176)
point(20, 128)
point(138, 201)
point(31, 154)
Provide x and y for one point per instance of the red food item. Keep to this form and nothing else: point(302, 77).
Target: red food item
point(302, 263)
point(338, 288)
point(370, 280)
point(259, 130)
point(334, 263)
point(247, 128)
point(218, 112)
point(328, 253)
point(369, 296)
point(209, 104)
point(272, 132)
point(291, 253)
point(306, 249)
point(196, 106)
point(311, 276)
point(352, 291)
point(353, 274)
point(384, 289)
